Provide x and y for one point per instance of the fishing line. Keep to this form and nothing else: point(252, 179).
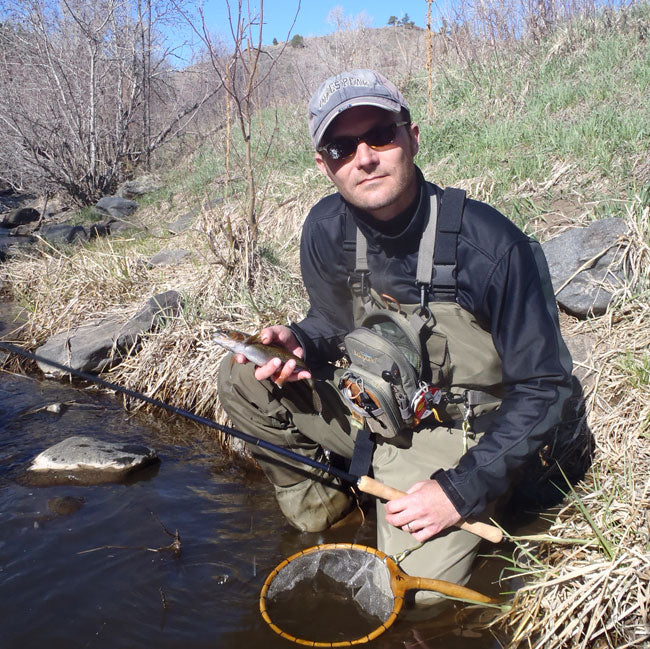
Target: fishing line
point(370, 578)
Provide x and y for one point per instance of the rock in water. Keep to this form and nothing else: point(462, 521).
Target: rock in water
point(85, 460)
point(65, 505)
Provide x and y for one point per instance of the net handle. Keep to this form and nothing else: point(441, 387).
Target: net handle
point(378, 489)
point(408, 582)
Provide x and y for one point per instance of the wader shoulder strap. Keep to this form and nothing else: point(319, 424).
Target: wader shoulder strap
point(424, 269)
point(443, 280)
point(355, 250)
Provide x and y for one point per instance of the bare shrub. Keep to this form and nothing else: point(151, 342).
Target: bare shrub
point(86, 93)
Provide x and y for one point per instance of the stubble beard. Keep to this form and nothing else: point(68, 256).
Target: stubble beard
point(399, 197)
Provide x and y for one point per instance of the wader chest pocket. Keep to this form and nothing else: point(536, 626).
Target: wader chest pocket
point(380, 382)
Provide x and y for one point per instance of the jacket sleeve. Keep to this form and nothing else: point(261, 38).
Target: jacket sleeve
point(520, 308)
point(324, 275)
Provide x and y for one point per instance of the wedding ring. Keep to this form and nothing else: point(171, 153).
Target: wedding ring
point(408, 527)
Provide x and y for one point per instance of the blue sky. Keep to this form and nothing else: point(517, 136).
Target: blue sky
point(312, 16)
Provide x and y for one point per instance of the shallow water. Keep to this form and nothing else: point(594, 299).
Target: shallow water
point(87, 566)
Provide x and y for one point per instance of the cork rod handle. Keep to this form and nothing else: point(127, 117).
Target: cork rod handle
point(380, 490)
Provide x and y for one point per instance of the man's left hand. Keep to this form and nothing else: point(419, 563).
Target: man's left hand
point(423, 512)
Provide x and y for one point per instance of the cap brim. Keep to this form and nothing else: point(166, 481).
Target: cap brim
point(379, 102)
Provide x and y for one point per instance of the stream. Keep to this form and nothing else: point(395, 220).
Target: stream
point(94, 567)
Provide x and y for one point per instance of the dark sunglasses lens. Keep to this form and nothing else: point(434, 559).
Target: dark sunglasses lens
point(341, 148)
point(380, 135)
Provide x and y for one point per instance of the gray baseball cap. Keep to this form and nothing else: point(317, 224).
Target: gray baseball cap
point(348, 89)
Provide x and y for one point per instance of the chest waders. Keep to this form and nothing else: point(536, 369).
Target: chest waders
point(459, 370)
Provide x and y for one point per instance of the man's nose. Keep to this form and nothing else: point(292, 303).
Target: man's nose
point(365, 155)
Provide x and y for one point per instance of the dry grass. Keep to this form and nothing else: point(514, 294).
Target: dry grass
point(589, 577)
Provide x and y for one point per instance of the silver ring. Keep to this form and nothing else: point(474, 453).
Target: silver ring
point(408, 528)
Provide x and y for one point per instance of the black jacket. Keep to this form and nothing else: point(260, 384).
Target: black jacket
point(500, 280)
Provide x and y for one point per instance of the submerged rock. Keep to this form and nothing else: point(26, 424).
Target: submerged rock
point(65, 505)
point(85, 460)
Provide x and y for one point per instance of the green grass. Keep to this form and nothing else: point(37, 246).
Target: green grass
point(587, 106)
point(577, 100)
point(637, 368)
point(85, 216)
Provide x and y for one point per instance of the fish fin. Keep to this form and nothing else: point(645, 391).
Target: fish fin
point(234, 334)
point(253, 339)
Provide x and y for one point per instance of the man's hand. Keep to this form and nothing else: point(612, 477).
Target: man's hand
point(423, 512)
point(277, 370)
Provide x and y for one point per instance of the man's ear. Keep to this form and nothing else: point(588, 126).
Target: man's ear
point(415, 138)
point(322, 165)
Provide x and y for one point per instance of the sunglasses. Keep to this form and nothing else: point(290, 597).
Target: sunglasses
point(346, 146)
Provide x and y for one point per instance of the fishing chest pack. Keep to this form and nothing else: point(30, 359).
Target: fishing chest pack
point(430, 361)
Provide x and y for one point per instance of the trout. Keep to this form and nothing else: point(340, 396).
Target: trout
point(258, 353)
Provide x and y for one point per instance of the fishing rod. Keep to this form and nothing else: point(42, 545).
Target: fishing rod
point(364, 483)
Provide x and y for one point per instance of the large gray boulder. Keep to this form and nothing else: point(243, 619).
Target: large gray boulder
point(185, 221)
point(152, 315)
point(139, 186)
point(115, 206)
point(584, 263)
point(97, 346)
point(57, 233)
point(85, 460)
point(170, 257)
point(10, 199)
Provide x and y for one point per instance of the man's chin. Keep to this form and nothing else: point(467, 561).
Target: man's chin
point(371, 201)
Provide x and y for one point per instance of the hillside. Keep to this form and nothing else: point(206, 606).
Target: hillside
point(398, 51)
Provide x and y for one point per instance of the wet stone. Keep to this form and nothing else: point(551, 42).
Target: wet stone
point(65, 505)
point(85, 460)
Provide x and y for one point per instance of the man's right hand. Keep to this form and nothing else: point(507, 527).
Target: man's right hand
point(275, 369)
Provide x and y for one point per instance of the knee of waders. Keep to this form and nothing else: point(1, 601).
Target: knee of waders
point(232, 373)
point(234, 380)
point(312, 506)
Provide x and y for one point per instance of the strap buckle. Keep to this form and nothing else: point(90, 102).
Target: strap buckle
point(360, 278)
point(424, 295)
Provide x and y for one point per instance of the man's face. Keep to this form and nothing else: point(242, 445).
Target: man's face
point(380, 181)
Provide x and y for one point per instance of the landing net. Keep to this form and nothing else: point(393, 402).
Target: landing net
point(341, 592)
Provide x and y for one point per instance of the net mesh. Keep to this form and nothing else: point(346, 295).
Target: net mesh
point(355, 574)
